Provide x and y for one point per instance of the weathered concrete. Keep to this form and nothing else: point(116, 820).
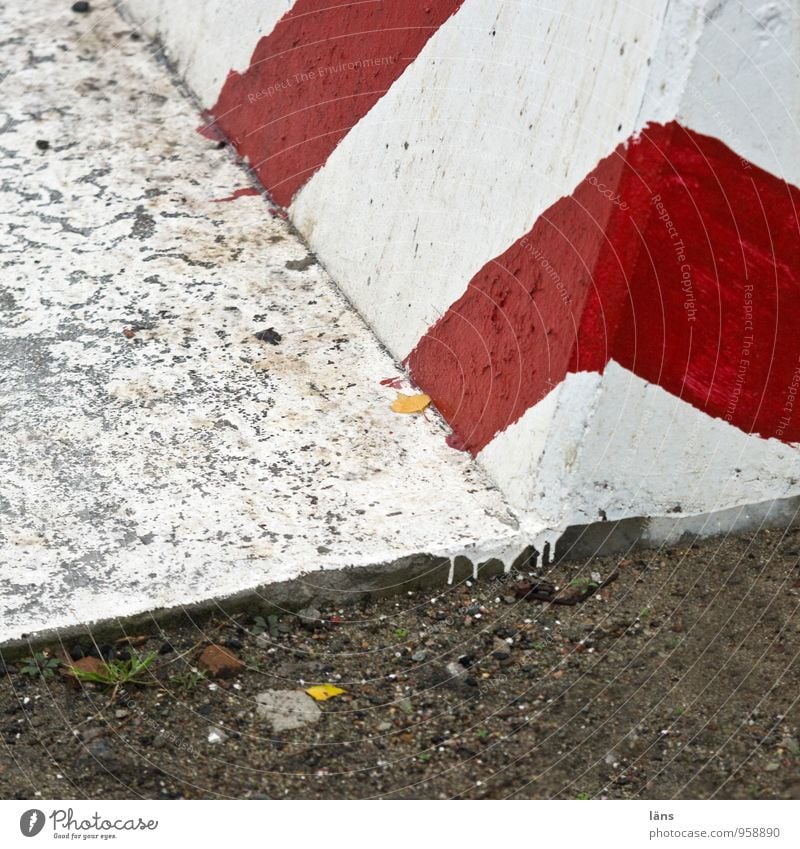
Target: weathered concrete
point(155, 454)
point(576, 223)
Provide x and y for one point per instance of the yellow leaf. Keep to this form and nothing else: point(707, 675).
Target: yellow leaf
point(323, 692)
point(410, 403)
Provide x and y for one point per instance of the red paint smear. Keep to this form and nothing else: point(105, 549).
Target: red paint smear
point(393, 382)
point(602, 275)
point(238, 194)
point(455, 442)
point(298, 100)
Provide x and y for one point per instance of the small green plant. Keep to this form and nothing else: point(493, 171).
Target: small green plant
point(584, 584)
point(40, 665)
point(188, 679)
point(482, 734)
point(583, 797)
point(400, 633)
point(644, 613)
point(424, 757)
point(118, 672)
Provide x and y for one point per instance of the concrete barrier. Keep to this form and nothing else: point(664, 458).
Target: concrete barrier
point(575, 223)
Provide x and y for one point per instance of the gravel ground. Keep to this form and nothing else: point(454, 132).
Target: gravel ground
point(678, 680)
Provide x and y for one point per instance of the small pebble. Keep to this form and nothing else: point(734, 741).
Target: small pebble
point(269, 335)
point(216, 735)
point(310, 618)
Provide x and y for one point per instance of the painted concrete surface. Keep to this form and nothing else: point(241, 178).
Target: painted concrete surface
point(600, 427)
point(577, 223)
point(322, 69)
point(731, 70)
point(207, 40)
point(154, 452)
point(469, 147)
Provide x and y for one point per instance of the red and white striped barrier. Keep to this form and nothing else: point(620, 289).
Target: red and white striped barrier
point(577, 223)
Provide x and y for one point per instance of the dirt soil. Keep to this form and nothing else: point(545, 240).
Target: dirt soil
point(678, 680)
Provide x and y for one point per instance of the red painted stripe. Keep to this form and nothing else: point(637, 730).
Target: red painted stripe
point(322, 68)
point(674, 257)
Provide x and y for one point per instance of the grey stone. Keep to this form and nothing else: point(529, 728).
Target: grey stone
point(286, 710)
point(310, 618)
point(456, 670)
point(501, 650)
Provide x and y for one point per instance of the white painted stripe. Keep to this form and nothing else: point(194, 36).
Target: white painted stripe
point(620, 445)
point(533, 460)
point(506, 108)
point(207, 39)
point(732, 70)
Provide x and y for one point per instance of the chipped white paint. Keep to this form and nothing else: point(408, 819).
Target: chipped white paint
point(732, 70)
point(191, 461)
